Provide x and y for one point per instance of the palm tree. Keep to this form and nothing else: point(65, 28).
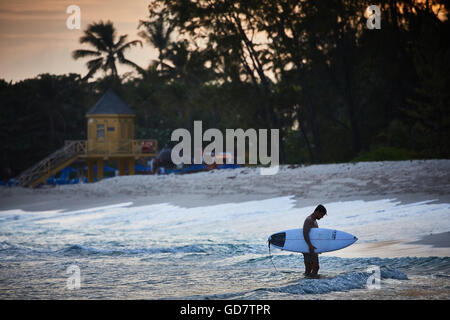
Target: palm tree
point(157, 32)
point(102, 37)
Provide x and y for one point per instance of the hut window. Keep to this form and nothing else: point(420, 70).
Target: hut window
point(100, 131)
point(110, 128)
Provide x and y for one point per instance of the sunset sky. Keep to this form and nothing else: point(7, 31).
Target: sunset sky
point(34, 37)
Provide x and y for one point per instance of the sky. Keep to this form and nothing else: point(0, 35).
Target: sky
point(35, 39)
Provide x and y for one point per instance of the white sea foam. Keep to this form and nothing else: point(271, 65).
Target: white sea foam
point(386, 219)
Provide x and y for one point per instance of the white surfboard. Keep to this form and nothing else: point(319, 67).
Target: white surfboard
point(324, 240)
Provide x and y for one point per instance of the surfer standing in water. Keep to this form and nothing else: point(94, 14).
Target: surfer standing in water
point(312, 259)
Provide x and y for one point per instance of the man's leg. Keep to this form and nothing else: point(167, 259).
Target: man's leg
point(315, 264)
point(308, 265)
point(308, 268)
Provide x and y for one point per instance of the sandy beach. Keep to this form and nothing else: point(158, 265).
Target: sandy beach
point(407, 181)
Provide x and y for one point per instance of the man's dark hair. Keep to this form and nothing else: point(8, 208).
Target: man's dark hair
point(321, 209)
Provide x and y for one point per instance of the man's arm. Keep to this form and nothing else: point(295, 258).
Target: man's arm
point(306, 229)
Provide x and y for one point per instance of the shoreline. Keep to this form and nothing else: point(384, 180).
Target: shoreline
point(405, 181)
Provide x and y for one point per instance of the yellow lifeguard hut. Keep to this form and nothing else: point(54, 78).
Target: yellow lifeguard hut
point(110, 136)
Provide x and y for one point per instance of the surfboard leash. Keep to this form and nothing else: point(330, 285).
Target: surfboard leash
point(270, 254)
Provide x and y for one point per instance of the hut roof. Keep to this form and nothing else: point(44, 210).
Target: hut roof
point(110, 103)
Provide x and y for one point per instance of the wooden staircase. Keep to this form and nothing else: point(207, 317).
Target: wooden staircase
point(52, 164)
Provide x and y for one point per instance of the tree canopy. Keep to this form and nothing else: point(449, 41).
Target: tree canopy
point(337, 90)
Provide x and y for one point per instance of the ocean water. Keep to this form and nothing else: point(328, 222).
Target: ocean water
point(213, 252)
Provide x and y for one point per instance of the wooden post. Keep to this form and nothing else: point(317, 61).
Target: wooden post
point(100, 169)
point(131, 166)
point(90, 170)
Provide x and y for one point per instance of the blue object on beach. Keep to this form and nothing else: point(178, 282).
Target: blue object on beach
point(229, 166)
point(141, 168)
point(12, 182)
point(105, 169)
point(195, 167)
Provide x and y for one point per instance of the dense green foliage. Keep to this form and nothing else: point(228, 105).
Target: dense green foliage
point(336, 90)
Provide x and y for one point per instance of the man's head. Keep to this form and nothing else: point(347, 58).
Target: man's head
point(319, 212)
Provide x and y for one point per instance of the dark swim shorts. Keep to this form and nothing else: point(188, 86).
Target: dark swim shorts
point(311, 258)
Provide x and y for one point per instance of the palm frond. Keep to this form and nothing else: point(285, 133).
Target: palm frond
point(93, 40)
point(93, 66)
point(125, 61)
point(121, 41)
point(129, 45)
point(104, 31)
point(81, 53)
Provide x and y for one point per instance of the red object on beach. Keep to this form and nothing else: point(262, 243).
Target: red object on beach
point(147, 146)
